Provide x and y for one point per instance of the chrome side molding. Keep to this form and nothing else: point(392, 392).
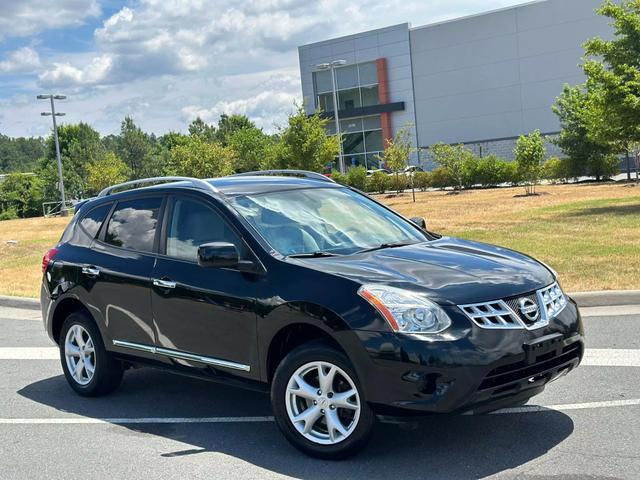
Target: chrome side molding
point(182, 355)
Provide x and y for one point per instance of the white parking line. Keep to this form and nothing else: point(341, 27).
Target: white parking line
point(77, 420)
point(593, 357)
point(611, 357)
point(611, 311)
point(29, 353)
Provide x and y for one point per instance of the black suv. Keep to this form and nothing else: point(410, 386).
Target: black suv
point(285, 280)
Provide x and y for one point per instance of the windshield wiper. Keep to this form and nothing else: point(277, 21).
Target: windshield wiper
point(312, 255)
point(386, 245)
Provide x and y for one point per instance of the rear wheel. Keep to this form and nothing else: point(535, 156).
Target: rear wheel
point(318, 403)
point(89, 369)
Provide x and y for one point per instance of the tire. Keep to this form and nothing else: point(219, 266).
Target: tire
point(291, 397)
point(107, 372)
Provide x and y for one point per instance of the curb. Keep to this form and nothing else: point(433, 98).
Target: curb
point(604, 298)
point(19, 302)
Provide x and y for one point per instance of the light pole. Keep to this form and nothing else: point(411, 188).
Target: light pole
point(334, 90)
point(63, 209)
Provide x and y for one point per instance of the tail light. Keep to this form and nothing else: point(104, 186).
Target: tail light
point(48, 258)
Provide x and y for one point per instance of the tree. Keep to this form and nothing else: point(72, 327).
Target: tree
point(20, 196)
point(529, 154)
point(304, 144)
point(201, 159)
point(199, 128)
point(454, 159)
point(613, 80)
point(228, 124)
point(397, 152)
point(252, 147)
point(585, 154)
point(20, 154)
point(80, 146)
point(136, 150)
point(107, 171)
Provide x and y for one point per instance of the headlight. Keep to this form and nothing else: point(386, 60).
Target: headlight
point(405, 311)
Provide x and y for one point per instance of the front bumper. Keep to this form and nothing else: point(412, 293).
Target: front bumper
point(472, 369)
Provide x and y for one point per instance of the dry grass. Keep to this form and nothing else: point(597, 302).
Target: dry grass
point(20, 263)
point(589, 233)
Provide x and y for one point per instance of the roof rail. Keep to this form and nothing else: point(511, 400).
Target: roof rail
point(285, 173)
point(196, 182)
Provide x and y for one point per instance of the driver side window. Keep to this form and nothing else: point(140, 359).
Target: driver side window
point(194, 223)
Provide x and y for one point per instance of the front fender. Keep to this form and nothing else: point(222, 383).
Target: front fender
point(304, 313)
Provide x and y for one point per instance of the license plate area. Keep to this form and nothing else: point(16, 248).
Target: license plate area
point(543, 348)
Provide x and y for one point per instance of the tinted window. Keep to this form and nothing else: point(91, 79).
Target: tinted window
point(133, 224)
point(194, 223)
point(91, 221)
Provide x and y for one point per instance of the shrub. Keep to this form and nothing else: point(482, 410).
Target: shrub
point(399, 182)
point(608, 167)
point(556, 170)
point(338, 177)
point(489, 171)
point(356, 177)
point(378, 182)
point(441, 178)
point(8, 214)
point(422, 180)
point(510, 173)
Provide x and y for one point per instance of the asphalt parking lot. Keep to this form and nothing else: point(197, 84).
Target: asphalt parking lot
point(157, 425)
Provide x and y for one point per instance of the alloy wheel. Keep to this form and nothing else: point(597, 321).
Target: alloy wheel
point(323, 403)
point(80, 355)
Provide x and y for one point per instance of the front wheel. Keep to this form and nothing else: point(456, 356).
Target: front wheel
point(319, 404)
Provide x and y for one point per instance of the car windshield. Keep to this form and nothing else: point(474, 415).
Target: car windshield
point(324, 221)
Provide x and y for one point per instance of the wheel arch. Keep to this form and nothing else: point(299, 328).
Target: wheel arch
point(62, 310)
point(294, 324)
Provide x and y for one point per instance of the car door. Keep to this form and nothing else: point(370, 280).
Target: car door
point(118, 277)
point(205, 316)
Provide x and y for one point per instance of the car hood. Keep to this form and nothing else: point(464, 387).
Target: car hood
point(448, 270)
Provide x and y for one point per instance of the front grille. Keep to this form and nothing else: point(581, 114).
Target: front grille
point(492, 315)
point(532, 310)
point(513, 373)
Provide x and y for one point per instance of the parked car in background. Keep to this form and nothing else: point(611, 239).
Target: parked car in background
point(340, 308)
point(383, 170)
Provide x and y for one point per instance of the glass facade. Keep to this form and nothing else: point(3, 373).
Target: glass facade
point(357, 86)
point(361, 140)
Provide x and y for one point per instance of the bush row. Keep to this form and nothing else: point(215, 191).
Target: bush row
point(484, 172)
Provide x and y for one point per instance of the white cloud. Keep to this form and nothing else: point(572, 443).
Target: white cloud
point(262, 108)
point(23, 60)
point(68, 75)
point(166, 61)
point(25, 17)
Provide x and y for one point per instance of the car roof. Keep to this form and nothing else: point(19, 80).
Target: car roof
point(227, 186)
point(251, 185)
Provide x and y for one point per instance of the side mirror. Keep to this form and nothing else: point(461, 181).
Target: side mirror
point(419, 221)
point(218, 254)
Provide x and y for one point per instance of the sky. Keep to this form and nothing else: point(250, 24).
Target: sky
point(165, 62)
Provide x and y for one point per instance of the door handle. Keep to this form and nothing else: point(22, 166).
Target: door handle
point(91, 271)
point(164, 283)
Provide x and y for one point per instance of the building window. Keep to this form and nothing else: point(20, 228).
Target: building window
point(361, 141)
point(357, 86)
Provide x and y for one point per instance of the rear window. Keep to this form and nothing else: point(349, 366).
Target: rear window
point(92, 221)
point(133, 224)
